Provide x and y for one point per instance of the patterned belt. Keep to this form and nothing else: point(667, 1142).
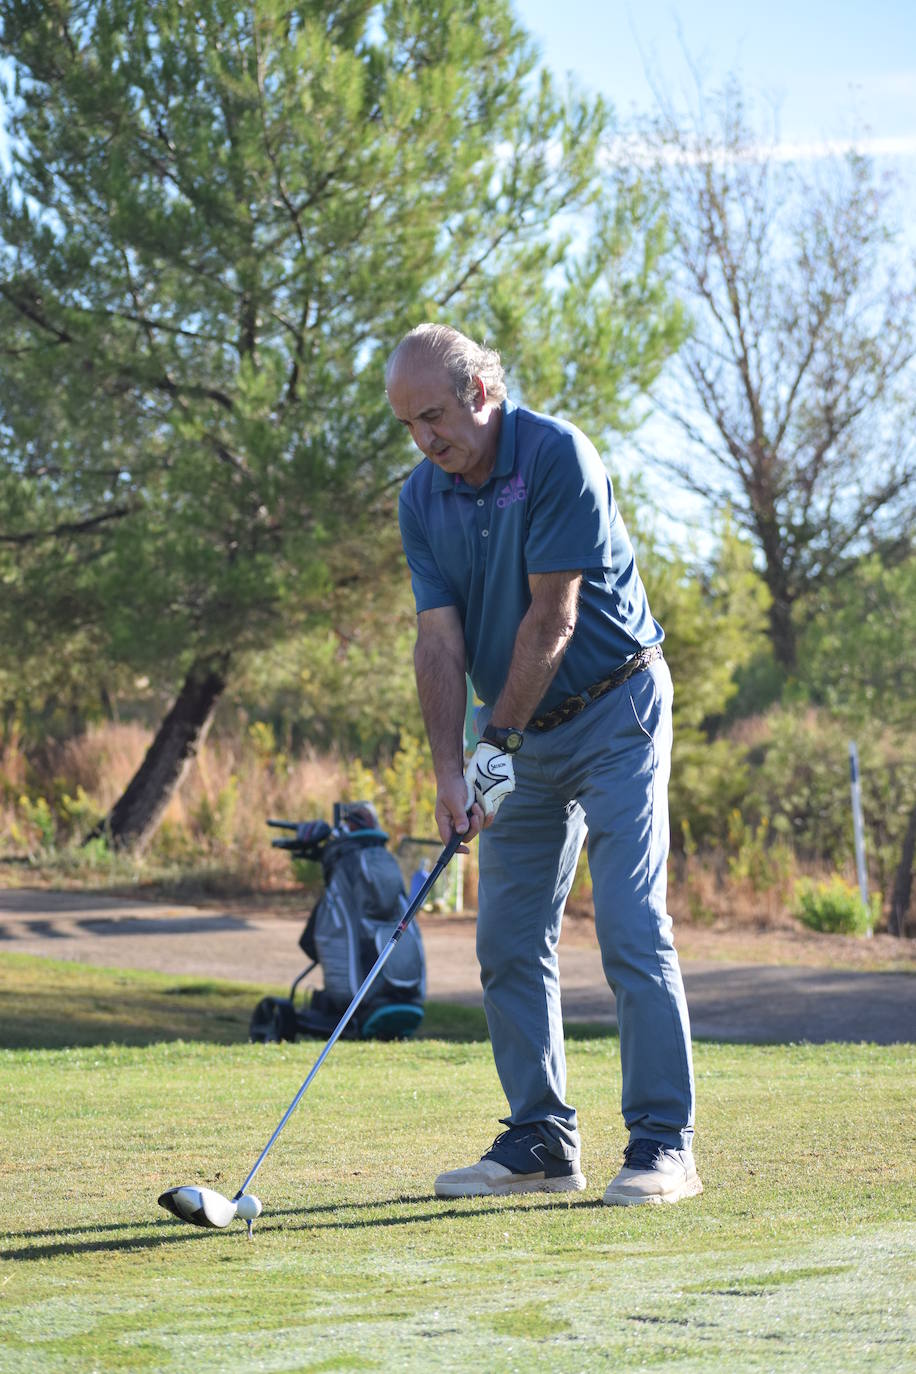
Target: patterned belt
point(573, 705)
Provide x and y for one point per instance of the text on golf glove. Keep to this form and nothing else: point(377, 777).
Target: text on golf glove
point(490, 776)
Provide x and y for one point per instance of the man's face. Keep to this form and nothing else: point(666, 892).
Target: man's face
point(459, 439)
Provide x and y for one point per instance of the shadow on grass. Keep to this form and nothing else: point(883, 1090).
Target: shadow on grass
point(51, 1004)
point(448, 1021)
point(101, 1247)
point(170, 1232)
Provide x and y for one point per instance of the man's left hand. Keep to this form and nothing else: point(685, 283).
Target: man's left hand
point(490, 776)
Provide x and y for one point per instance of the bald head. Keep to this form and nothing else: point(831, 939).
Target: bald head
point(441, 387)
point(467, 364)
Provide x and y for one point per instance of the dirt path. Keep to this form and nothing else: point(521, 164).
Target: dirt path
point(775, 987)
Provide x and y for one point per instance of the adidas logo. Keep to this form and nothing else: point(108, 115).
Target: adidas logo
point(514, 491)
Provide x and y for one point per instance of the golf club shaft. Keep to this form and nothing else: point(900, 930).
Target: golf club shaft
point(415, 905)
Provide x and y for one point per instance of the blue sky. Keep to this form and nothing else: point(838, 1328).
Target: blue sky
point(836, 69)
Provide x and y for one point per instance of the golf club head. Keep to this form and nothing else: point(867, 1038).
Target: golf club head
point(199, 1206)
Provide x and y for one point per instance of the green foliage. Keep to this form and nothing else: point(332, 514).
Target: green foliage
point(59, 818)
point(800, 781)
point(79, 813)
point(214, 818)
point(759, 685)
point(714, 616)
point(59, 821)
point(38, 816)
point(349, 687)
point(403, 790)
point(359, 695)
point(263, 740)
point(589, 350)
point(858, 653)
point(754, 859)
point(178, 844)
point(835, 906)
point(306, 871)
point(96, 854)
point(709, 778)
point(859, 649)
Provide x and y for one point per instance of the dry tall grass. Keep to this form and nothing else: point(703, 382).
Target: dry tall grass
point(214, 839)
point(217, 819)
point(214, 832)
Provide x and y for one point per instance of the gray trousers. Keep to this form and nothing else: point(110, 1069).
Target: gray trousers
point(605, 772)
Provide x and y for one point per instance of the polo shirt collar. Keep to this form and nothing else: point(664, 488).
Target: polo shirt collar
point(505, 456)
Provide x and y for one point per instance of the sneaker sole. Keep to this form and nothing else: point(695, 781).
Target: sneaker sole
point(692, 1188)
point(526, 1183)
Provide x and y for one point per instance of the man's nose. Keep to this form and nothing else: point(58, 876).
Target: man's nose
point(423, 436)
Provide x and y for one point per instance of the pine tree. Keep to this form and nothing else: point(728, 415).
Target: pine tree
point(220, 218)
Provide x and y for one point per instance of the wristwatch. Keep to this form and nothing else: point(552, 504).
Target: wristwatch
point(509, 740)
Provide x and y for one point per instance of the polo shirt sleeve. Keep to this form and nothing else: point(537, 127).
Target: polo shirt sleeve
point(570, 506)
point(429, 586)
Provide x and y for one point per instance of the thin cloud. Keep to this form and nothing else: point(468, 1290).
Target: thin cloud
point(634, 150)
point(866, 147)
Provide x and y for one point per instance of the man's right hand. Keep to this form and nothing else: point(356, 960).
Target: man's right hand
point(457, 810)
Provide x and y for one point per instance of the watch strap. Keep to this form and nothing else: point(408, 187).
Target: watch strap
point(509, 739)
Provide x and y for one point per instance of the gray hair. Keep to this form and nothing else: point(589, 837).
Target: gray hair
point(463, 359)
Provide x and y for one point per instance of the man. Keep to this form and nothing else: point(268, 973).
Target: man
point(524, 577)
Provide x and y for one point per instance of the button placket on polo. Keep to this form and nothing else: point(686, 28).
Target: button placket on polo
point(483, 507)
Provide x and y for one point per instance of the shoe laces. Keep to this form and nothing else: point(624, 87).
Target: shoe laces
point(643, 1153)
point(511, 1133)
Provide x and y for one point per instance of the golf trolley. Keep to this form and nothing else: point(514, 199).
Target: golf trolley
point(363, 902)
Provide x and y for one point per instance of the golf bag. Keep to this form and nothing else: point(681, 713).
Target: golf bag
point(363, 901)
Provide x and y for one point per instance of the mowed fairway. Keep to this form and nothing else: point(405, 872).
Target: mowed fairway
point(798, 1256)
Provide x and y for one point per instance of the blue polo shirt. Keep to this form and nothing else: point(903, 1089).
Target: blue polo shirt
point(548, 506)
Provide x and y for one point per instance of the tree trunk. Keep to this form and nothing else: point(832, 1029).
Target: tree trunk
point(903, 880)
point(782, 632)
point(133, 819)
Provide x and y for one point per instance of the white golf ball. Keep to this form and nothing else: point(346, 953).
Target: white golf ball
point(248, 1207)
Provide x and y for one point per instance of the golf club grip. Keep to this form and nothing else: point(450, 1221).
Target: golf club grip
point(435, 873)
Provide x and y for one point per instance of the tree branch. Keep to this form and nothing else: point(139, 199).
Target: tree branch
point(68, 527)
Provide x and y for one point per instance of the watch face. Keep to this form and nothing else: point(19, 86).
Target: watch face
point(509, 740)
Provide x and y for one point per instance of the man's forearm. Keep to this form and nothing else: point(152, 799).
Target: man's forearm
point(442, 689)
point(540, 643)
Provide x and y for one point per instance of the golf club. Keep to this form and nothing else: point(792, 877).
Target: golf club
point(204, 1206)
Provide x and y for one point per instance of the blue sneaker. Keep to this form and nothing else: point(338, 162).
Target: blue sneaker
point(518, 1161)
point(653, 1172)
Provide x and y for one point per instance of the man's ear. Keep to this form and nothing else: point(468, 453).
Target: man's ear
point(480, 395)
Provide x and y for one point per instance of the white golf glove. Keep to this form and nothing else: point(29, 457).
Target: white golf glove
point(490, 776)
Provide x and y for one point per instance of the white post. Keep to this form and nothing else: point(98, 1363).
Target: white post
point(858, 830)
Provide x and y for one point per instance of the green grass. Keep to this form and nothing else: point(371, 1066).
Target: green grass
point(798, 1256)
point(53, 1004)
